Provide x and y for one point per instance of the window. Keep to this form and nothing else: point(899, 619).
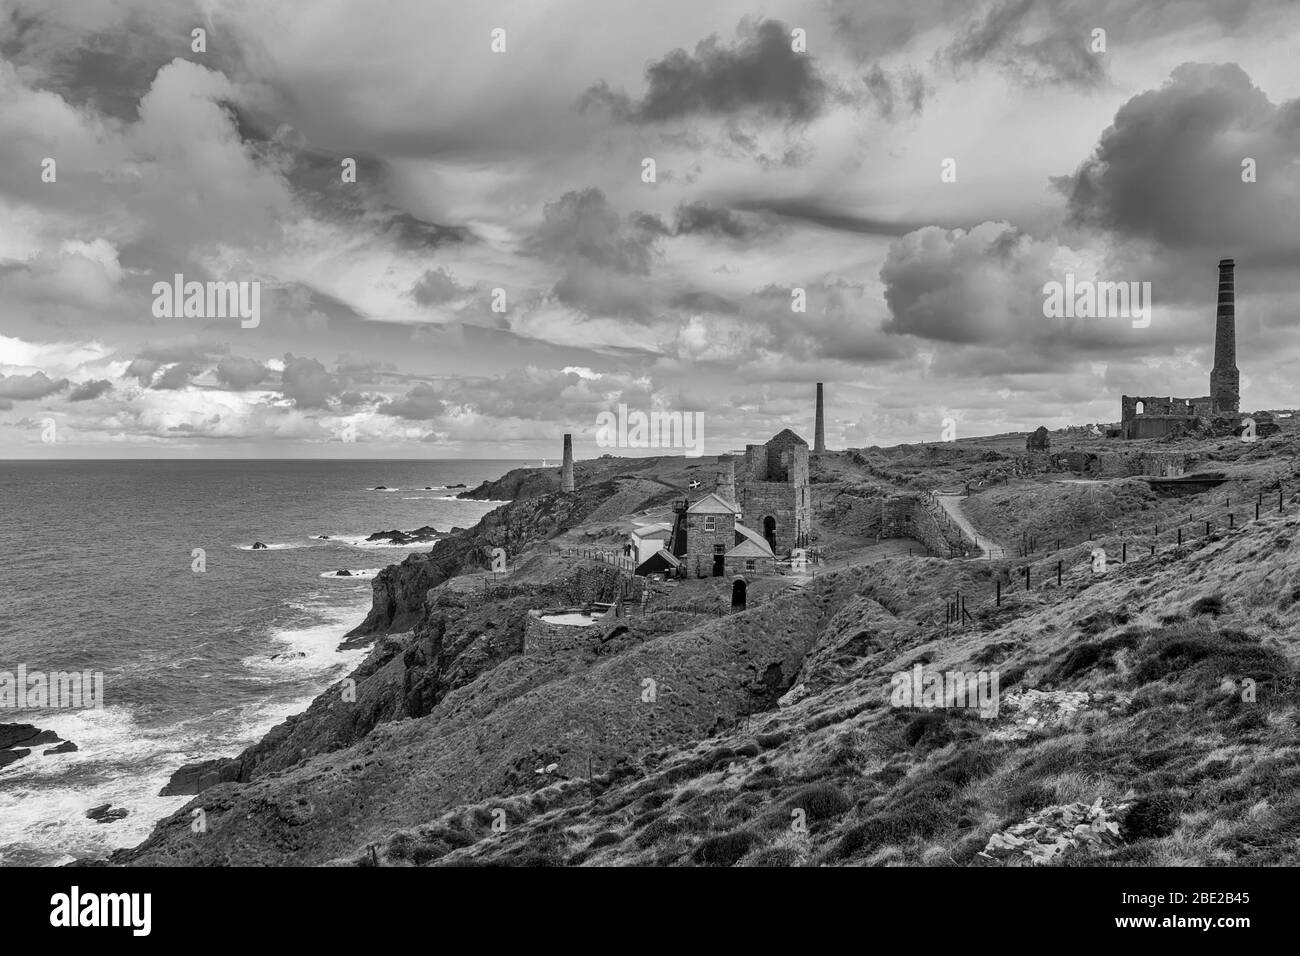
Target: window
point(750, 564)
point(710, 523)
point(719, 549)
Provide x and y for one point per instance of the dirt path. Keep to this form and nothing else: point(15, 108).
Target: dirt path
point(952, 505)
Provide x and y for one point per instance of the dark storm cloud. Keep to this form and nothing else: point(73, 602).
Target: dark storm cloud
point(835, 326)
point(759, 71)
point(701, 217)
point(143, 370)
point(241, 373)
point(107, 62)
point(815, 211)
point(696, 301)
point(26, 387)
point(982, 291)
point(582, 225)
point(413, 233)
point(601, 292)
point(1169, 169)
point(306, 382)
point(177, 376)
point(89, 390)
point(436, 287)
point(423, 401)
point(1004, 36)
point(895, 93)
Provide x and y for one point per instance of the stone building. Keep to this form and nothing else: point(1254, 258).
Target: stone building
point(773, 492)
point(709, 540)
point(1148, 416)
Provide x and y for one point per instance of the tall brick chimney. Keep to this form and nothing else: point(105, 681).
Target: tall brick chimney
point(819, 430)
point(1225, 380)
point(566, 473)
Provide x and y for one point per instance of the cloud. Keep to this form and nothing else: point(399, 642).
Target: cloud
point(423, 401)
point(892, 93)
point(437, 287)
point(143, 370)
point(89, 390)
point(1047, 48)
point(306, 382)
point(177, 376)
point(581, 225)
point(27, 387)
point(1169, 169)
point(965, 287)
point(702, 217)
point(760, 72)
point(241, 373)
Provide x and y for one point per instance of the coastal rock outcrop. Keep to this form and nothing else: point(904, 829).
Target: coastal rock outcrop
point(398, 592)
point(106, 813)
point(18, 740)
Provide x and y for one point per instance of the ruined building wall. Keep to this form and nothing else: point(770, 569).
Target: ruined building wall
point(759, 499)
point(788, 501)
point(898, 516)
point(781, 453)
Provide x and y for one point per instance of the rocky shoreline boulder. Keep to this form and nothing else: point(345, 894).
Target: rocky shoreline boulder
point(18, 740)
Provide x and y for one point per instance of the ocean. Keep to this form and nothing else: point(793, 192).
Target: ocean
point(96, 574)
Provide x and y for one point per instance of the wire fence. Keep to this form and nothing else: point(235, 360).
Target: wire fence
point(1132, 545)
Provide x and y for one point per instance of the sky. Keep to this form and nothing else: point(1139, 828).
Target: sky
point(504, 268)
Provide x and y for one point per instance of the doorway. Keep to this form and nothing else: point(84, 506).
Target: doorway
point(738, 589)
point(769, 532)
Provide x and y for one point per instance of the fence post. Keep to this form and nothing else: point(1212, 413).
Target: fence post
point(1180, 537)
point(1207, 529)
point(1027, 577)
point(1124, 553)
point(1257, 511)
point(1230, 517)
point(998, 593)
point(1058, 573)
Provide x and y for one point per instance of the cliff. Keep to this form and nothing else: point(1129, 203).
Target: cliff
point(398, 602)
point(694, 736)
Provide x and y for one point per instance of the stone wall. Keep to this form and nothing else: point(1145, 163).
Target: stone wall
point(897, 516)
point(700, 543)
point(760, 499)
point(543, 638)
point(736, 566)
point(935, 534)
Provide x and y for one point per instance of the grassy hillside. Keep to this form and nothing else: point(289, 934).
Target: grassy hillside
point(1147, 715)
point(1138, 712)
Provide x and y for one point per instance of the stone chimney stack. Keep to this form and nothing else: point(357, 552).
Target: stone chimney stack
point(819, 430)
point(566, 473)
point(1225, 380)
point(727, 481)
